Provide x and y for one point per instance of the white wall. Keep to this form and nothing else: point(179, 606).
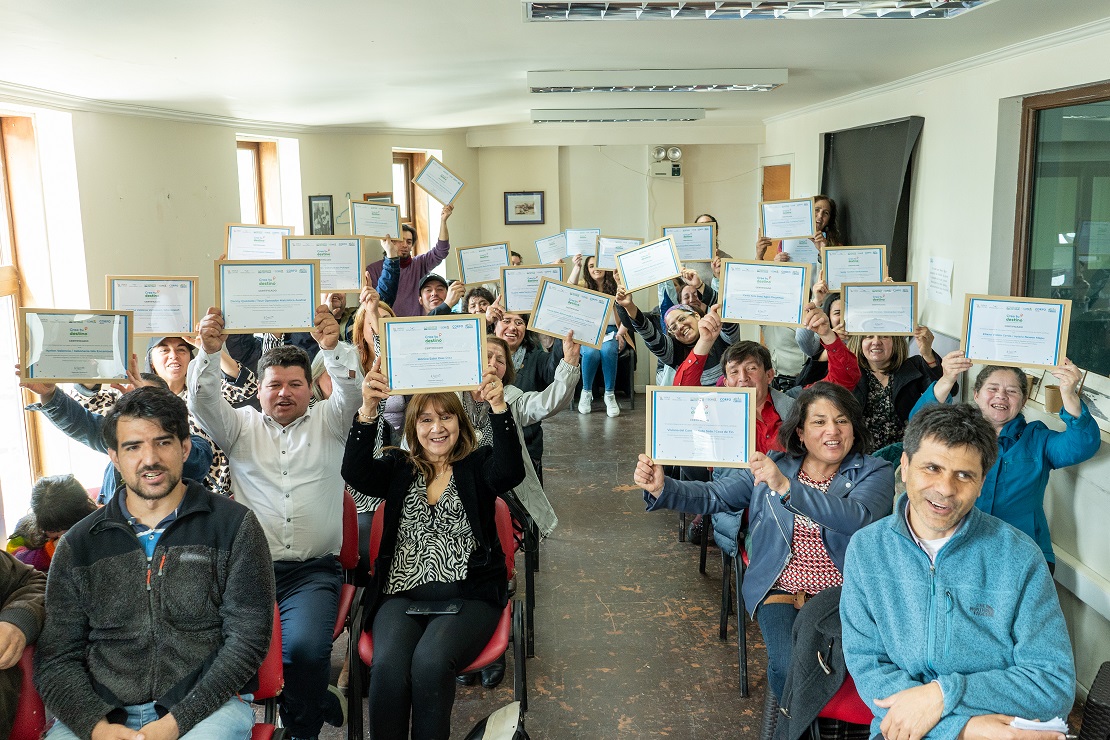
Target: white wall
point(723, 180)
point(514, 169)
point(962, 207)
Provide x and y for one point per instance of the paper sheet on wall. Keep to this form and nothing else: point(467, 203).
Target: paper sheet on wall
point(940, 280)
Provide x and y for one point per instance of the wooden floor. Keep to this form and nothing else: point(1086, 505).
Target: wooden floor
point(626, 627)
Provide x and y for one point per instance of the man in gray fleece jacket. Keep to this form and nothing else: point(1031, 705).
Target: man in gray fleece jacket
point(159, 605)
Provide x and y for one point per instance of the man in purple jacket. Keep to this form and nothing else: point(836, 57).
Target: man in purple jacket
point(411, 269)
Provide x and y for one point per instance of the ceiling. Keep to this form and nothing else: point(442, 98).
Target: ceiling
point(451, 64)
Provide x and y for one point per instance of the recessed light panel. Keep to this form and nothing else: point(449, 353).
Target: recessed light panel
point(616, 115)
point(656, 80)
point(746, 9)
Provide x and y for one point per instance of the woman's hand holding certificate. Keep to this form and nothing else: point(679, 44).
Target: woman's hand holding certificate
point(701, 426)
point(1022, 332)
point(432, 354)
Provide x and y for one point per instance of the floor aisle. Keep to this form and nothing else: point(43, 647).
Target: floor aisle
point(626, 627)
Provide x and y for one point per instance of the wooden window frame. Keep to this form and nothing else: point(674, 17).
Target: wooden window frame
point(1023, 221)
point(259, 205)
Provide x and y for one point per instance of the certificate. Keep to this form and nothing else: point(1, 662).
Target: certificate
point(268, 296)
point(254, 242)
point(701, 426)
point(648, 264)
point(341, 264)
point(1018, 332)
point(854, 265)
point(801, 250)
point(520, 285)
point(582, 241)
point(552, 248)
point(428, 354)
point(162, 306)
point(439, 182)
point(694, 242)
point(764, 292)
point(67, 346)
point(787, 219)
point(482, 263)
point(379, 220)
point(560, 308)
point(608, 246)
point(889, 309)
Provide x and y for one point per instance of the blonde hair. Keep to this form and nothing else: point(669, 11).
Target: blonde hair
point(363, 343)
point(900, 350)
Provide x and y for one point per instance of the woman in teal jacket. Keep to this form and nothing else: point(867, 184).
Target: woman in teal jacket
point(1013, 489)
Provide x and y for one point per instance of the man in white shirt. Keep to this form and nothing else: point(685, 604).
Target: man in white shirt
point(285, 467)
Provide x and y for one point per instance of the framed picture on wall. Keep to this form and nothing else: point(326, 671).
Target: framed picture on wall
point(383, 198)
point(524, 208)
point(320, 215)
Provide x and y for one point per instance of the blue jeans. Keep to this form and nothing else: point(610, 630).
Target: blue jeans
point(776, 622)
point(308, 599)
point(606, 357)
point(231, 721)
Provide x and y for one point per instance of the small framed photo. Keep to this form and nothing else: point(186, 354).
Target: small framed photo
point(320, 215)
point(524, 208)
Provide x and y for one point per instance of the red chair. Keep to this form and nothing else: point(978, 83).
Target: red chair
point(509, 629)
point(30, 715)
point(271, 679)
point(348, 559)
point(846, 706)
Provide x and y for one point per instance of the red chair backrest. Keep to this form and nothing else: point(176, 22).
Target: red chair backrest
point(502, 519)
point(30, 716)
point(847, 706)
point(270, 675)
point(348, 553)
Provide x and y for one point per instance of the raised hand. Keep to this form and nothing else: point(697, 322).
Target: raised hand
point(375, 389)
point(782, 257)
point(817, 321)
point(764, 470)
point(924, 339)
point(455, 292)
point(761, 246)
point(211, 331)
point(648, 475)
point(709, 326)
point(45, 391)
point(572, 350)
point(492, 391)
point(715, 265)
point(691, 278)
point(496, 310)
point(820, 290)
point(326, 329)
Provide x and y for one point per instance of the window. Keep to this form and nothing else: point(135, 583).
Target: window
point(1063, 226)
point(250, 182)
point(403, 172)
point(269, 189)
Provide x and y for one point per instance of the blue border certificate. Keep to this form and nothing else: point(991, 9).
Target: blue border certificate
point(764, 292)
point(520, 285)
point(887, 309)
point(341, 264)
point(482, 263)
point(561, 308)
point(608, 246)
point(67, 346)
point(163, 306)
point(787, 219)
point(270, 296)
point(701, 426)
point(428, 354)
point(694, 242)
point(377, 220)
point(648, 264)
point(254, 241)
point(582, 241)
point(552, 249)
point(853, 265)
point(1018, 332)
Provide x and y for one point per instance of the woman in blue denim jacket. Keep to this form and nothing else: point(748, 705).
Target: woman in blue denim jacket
point(804, 505)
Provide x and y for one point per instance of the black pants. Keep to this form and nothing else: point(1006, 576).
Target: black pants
point(416, 659)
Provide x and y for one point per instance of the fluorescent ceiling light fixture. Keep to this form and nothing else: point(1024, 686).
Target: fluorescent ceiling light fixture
point(656, 80)
point(746, 9)
point(616, 115)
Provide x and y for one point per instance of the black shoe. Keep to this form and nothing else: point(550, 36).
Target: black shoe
point(695, 531)
point(494, 673)
point(466, 679)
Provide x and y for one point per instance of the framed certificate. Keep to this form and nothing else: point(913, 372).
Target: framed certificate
point(552, 249)
point(701, 426)
point(694, 242)
point(340, 258)
point(1018, 332)
point(162, 306)
point(378, 220)
point(60, 345)
point(853, 265)
point(648, 264)
point(764, 292)
point(608, 246)
point(268, 296)
point(582, 241)
point(482, 263)
point(520, 285)
point(888, 309)
point(254, 242)
point(787, 219)
point(560, 308)
point(802, 250)
point(439, 182)
point(432, 354)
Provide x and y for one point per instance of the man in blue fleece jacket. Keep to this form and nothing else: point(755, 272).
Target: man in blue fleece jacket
point(951, 624)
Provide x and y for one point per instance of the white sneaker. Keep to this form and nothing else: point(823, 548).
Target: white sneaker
point(585, 402)
point(612, 408)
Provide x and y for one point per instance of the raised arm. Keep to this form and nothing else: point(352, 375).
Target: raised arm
point(695, 497)
point(535, 406)
point(209, 408)
point(425, 262)
point(660, 345)
point(1080, 439)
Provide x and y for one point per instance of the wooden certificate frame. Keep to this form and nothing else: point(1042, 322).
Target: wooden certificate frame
point(1064, 325)
point(812, 218)
point(915, 304)
point(353, 205)
point(360, 256)
point(462, 272)
point(480, 332)
point(650, 423)
point(194, 310)
point(807, 284)
point(648, 245)
point(600, 336)
point(25, 366)
point(313, 264)
point(521, 268)
point(825, 251)
point(434, 162)
point(597, 257)
point(712, 239)
point(228, 228)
